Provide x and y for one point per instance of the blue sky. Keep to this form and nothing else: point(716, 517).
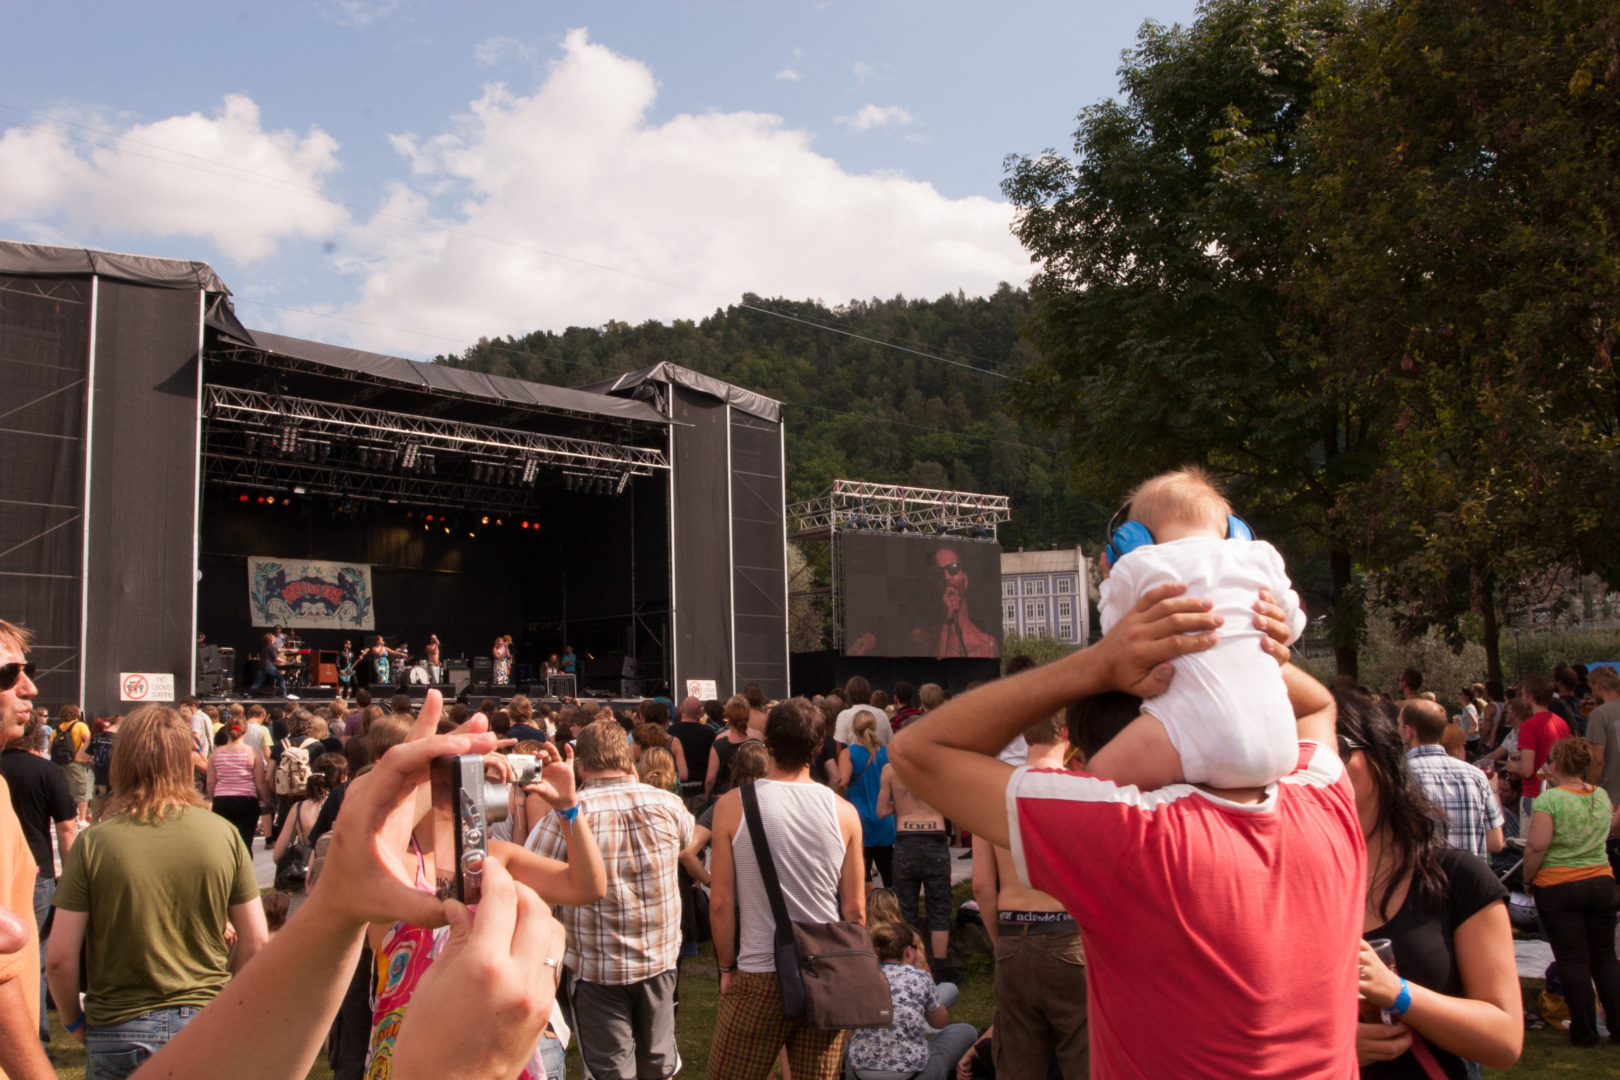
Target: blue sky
point(830, 150)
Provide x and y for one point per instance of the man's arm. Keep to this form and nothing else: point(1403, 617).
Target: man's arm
point(21, 1055)
point(66, 832)
point(852, 875)
point(723, 885)
point(885, 799)
point(947, 757)
point(1493, 840)
point(62, 964)
point(987, 886)
point(252, 932)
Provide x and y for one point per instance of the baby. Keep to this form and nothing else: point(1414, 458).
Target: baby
point(1225, 721)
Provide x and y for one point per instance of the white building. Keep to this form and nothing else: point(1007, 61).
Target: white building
point(1045, 593)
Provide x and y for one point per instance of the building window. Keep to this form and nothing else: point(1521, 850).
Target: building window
point(1065, 585)
point(1035, 611)
point(1038, 631)
point(1066, 632)
point(1009, 587)
point(1065, 609)
point(1009, 612)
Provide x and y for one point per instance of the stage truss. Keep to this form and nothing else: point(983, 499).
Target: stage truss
point(255, 441)
point(857, 505)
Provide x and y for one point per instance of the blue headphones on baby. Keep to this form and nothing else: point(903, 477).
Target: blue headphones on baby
point(1125, 537)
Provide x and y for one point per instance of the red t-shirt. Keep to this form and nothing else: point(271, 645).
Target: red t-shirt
point(1538, 734)
point(1220, 938)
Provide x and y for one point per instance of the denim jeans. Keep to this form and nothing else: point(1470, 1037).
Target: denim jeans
point(44, 889)
point(113, 1052)
point(265, 673)
point(554, 1058)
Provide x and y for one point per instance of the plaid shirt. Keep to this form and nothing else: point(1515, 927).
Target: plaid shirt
point(1462, 792)
point(634, 932)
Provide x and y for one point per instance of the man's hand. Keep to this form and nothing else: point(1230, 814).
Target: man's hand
point(365, 878)
point(481, 1007)
point(1269, 619)
point(556, 784)
point(1164, 624)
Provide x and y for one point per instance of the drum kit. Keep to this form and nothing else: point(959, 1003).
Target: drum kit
point(292, 660)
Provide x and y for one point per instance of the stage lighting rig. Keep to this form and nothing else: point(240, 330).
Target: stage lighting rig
point(624, 479)
point(408, 459)
point(531, 468)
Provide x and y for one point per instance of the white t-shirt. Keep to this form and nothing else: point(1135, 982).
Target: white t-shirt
point(203, 729)
point(1227, 711)
point(844, 729)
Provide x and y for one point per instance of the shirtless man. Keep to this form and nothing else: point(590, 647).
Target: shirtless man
point(1040, 979)
point(922, 861)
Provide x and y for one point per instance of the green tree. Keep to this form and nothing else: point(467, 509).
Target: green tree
point(1160, 311)
point(1457, 219)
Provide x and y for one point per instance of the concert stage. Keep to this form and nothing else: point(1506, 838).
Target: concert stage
point(172, 472)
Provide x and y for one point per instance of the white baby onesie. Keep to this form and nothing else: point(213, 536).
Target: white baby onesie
point(1227, 710)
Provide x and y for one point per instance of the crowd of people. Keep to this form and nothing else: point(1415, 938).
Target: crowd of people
point(1345, 911)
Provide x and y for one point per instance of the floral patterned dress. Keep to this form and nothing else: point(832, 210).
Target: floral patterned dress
point(403, 956)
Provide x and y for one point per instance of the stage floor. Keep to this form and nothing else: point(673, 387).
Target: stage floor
point(319, 700)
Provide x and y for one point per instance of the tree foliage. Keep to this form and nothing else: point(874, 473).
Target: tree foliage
point(1457, 238)
point(1161, 319)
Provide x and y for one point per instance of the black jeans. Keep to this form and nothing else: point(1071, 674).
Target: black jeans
point(243, 812)
point(1579, 918)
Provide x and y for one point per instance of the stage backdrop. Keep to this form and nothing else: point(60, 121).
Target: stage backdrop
point(310, 595)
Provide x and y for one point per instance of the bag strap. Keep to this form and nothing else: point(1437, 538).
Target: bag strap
point(767, 867)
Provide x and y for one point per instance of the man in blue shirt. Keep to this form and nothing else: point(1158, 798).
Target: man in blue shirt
point(568, 660)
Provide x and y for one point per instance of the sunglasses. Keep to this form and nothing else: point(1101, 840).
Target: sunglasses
point(950, 569)
point(10, 672)
point(1348, 746)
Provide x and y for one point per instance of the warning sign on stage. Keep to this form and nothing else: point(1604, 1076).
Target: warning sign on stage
point(145, 686)
point(702, 689)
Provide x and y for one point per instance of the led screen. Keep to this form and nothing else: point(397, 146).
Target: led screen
point(921, 595)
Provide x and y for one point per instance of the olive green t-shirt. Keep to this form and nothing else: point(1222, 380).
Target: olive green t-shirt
point(159, 897)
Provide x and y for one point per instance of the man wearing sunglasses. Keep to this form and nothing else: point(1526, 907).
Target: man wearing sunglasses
point(954, 634)
point(21, 1055)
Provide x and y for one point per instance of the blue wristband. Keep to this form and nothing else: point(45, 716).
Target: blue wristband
point(77, 1024)
point(569, 814)
point(1403, 1001)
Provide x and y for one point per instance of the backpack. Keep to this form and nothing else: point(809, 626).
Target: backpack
point(62, 744)
point(292, 771)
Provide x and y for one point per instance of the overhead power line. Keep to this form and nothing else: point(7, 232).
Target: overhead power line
point(293, 187)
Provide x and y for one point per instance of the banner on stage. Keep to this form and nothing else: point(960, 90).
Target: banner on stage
point(306, 595)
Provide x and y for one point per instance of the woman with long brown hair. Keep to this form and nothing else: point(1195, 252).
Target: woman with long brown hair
point(718, 781)
point(149, 892)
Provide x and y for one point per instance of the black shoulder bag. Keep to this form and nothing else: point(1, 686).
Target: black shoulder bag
point(829, 974)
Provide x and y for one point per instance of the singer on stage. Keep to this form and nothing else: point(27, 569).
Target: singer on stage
point(955, 635)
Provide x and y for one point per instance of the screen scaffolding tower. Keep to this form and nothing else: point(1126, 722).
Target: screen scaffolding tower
point(817, 523)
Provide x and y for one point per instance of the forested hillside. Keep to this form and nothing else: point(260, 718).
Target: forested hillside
point(855, 409)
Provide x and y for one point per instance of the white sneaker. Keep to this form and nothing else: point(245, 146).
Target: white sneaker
point(292, 697)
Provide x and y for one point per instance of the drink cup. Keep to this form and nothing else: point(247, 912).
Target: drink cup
point(1385, 949)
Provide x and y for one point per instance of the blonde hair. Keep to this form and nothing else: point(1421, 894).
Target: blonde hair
point(1571, 757)
point(932, 696)
point(657, 768)
point(866, 730)
point(16, 636)
point(151, 768)
point(1606, 677)
point(883, 906)
point(1186, 494)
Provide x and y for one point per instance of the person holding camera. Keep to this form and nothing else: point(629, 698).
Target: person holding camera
point(623, 950)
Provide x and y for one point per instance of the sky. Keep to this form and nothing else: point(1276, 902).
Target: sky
point(406, 176)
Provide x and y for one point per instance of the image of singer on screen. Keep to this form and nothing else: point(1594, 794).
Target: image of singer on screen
point(954, 634)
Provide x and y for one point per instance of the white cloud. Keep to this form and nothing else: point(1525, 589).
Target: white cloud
point(864, 71)
point(222, 177)
point(719, 203)
point(494, 50)
point(360, 14)
point(877, 116)
point(787, 74)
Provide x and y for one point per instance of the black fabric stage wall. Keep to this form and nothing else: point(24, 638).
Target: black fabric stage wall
point(44, 349)
point(576, 579)
point(703, 644)
point(817, 672)
point(143, 487)
point(758, 553)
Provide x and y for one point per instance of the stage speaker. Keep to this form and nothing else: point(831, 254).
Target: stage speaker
point(458, 674)
point(210, 684)
point(208, 658)
point(483, 663)
point(629, 688)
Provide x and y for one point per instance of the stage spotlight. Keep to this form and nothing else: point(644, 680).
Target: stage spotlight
point(425, 528)
point(430, 465)
point(447, 530)
point(568, 482)
point(241, 498)
point(271, 499)
point(525, 524)
point(289, 438)
point(260, 499)
point(530, 468)
point(251, 442)
point(478, 472)
point(484, 521)
point(408, 461)
point(325, 450)
point(427, 517)
point(623, 480)
point(498, 521)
